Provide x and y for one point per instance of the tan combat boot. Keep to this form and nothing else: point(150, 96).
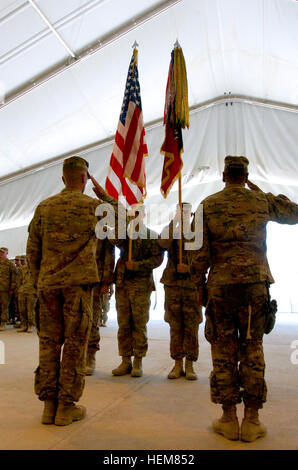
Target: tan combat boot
point(189, 372)
point(49, 411)
point(29, 329)
point(228, 424)
point(251, 427)
point(177, 370)
point(124, 368)
point(67, 413)
point(2, 326)
point(137, 367)
point(90, 365)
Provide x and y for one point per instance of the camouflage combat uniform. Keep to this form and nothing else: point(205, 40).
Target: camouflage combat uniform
point(26, 297)
point(133, 291)
point(14, 307)
point(182, 310)
point(105, 258)
point(61, 253)
point(7, 285)
point(105, 306)
point(235, 251)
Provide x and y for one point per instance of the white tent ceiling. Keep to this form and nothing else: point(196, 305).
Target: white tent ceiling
point(63, 94)
point(243, 47)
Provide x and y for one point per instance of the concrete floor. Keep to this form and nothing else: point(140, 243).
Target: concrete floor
point(150, 412)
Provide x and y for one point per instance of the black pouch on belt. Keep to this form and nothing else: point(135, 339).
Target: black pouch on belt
point(271, 313)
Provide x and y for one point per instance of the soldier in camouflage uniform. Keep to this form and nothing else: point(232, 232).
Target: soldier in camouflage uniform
point(61, 251)
point(134, 285)
point(182, 310)
point(12, 309)
point(7, 285)
point(26, 298)
point(105, 306)
point(19, 280)
point(105, 258)
point(238, 307)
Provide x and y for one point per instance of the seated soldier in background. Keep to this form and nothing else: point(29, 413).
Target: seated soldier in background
point(182, 310)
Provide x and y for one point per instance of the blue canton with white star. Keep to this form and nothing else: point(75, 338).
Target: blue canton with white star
point(132, 90)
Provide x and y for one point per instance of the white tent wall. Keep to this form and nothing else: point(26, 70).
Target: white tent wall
point(265, 135)
point(248, 47)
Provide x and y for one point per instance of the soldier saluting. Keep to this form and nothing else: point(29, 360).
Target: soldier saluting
point(61, 253)
point(237, 313)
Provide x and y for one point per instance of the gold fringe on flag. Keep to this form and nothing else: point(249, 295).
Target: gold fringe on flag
point(176, 105)
point(181, 88)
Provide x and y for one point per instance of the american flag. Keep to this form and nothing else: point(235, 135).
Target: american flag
point(126, 174)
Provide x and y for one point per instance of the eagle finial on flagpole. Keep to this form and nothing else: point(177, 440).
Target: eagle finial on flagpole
point(135, 44)
point(177, 45)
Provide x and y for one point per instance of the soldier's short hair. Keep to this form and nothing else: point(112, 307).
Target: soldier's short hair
point(4, 249)
point(75, 162)
point(74, 167)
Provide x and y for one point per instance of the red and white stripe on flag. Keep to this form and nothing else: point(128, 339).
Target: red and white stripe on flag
point(126, 174)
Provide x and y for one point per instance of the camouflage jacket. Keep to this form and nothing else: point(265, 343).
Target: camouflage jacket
point(26, 285)
point(146, 255)
point(7, 275)
point(61, 247)
point(234, 246)
point(169, 277)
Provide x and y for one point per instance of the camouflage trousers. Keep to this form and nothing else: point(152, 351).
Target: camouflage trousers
point(13, 308)
point(94, 337)
point(4, 304)
point(237, 350)
point(64, 319)
point(27, 303)
point(104, 308)
point(184, 315)
point(132, 315)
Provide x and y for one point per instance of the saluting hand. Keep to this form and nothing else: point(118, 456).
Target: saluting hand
point(99, 191)
point(253, 186)
point(129, 265)
point(182, 268)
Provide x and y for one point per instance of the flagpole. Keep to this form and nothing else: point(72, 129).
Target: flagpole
point(176, 45)
point(176, 117)
point(134, 46)
point(181, 217)
point(130, 241)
